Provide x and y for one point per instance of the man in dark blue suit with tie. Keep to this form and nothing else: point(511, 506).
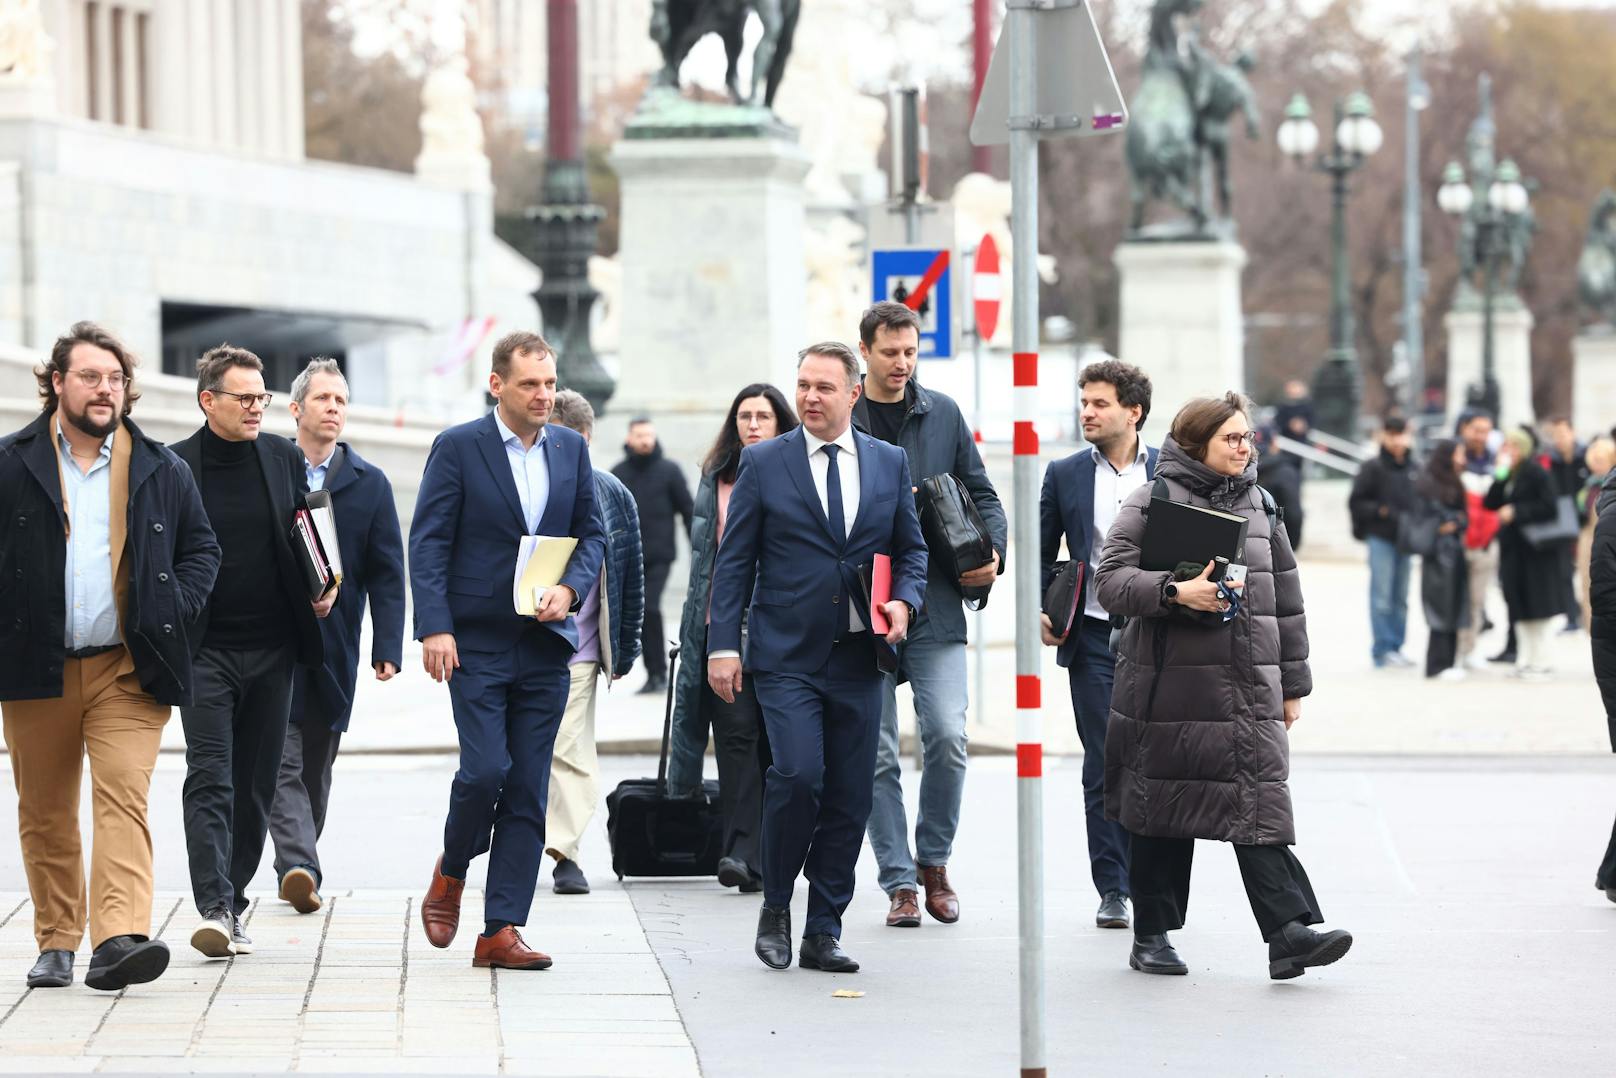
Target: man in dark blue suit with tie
point(487, 484)
point(1080, 499)
point(809, 509)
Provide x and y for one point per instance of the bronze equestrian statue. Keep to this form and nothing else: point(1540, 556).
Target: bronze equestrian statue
point(1596, 269)
point(676, 26)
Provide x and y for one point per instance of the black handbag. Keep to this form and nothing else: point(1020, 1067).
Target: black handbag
point(956, 537)
point(1064, 594)
point(1562, 529)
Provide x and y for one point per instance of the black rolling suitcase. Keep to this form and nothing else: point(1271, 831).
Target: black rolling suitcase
point(653, 834)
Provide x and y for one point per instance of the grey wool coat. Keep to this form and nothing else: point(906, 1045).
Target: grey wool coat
point(1211, 758)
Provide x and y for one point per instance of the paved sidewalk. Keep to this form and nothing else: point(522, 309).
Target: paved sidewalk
point(356, 989)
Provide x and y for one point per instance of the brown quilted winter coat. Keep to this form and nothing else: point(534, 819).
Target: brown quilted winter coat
point(1211, 759)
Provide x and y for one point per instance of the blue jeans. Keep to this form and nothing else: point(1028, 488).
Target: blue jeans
point(1388, 596)
point(936, 672)
point(1092, 674)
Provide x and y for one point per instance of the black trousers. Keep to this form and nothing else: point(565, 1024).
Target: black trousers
point(742, 747)
point(302, 792)
point(1607, 867)
point(654, 649)
point(1440, 652)
point(234, 734)
point(823, 728)
point(1159, 869)
point(1092, 675)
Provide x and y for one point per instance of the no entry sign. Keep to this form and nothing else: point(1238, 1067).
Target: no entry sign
point(986, 288)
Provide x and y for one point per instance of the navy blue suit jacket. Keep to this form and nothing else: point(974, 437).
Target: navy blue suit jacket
point(372, 569)
point(777, 535)
point(1066, 507)
point(468, 525)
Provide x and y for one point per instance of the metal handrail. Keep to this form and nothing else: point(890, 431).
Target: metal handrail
point(1318, 456)
point(1345, 446)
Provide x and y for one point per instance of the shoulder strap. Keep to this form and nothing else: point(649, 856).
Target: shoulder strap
point(1158, 489)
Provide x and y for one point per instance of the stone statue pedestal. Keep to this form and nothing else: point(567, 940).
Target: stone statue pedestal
point(714, 285)
point(1593, 379)
point(1512, 356)
point(1181, 320)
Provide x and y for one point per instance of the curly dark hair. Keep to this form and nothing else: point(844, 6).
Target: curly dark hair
point(62, 355)
point(1131, 383)
point(724, 458)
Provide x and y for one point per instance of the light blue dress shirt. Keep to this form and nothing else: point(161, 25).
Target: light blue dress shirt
point(531, 471)
point(92, 602)
point(317, 472)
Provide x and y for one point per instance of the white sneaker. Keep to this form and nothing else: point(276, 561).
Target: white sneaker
point(1474, 661)
point(212, 936)
point(1453, 673)
point(1529, 673)
point(1397, 658)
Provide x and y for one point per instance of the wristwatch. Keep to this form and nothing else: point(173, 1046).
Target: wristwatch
point(1170, 590)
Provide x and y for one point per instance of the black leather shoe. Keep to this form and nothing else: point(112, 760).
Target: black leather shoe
point(654, 683)
point(1154, 954)
point(774, 937)
point(1505, 657)
point(1607, 887)
point(53, 970)
point(1113, 911)
point(824, 951)
point(1295, 947)
point(125, 960)
point(569, 879)
point(733, 872)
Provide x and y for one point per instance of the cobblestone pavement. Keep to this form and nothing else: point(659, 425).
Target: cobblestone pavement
point(356, 989)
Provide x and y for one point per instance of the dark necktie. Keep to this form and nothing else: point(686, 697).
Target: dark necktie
point(833, 496)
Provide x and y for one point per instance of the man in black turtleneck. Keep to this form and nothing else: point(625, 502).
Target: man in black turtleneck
point(257, 625)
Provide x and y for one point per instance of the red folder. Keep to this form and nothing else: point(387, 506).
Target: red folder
point(880, 594)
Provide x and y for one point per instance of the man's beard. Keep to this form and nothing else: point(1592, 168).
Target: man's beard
point(89, 426)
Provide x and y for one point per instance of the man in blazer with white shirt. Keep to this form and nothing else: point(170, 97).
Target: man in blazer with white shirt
point(1081, 495)
point(487, 484)
point(808, 510)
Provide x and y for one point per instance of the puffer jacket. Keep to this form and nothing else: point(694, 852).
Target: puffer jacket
point(688, 740)
point(1211, 758)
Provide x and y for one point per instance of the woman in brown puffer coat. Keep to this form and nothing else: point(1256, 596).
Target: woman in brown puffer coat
point(1208, 757)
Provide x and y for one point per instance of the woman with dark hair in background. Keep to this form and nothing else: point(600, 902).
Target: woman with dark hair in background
point(1523, 493)
point(759, 412)
point(1602, 628)
point(1435, 530)
point(1206, 689)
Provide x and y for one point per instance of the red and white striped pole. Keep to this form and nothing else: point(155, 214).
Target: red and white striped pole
point(1021, 27)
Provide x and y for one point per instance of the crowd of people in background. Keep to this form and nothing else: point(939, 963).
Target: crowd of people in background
point(1513, 509)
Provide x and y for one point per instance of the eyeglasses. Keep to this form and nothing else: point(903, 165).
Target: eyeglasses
point(246, 400)
point(1233, 441)
point(92, 379)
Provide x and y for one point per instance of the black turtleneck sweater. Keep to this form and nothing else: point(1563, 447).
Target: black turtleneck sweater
point(248, 608)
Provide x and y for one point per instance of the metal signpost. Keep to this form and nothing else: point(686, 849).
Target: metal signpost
point(985, 293)
point(1050, 76)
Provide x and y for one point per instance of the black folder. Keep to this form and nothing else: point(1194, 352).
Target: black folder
point(1177, 533)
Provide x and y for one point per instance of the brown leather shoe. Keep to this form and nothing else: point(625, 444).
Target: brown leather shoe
point(905, 911)
point(440, 909)
point(941, 901)
point(505, 949)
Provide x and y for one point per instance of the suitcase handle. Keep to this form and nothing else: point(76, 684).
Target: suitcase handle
point(667, 724)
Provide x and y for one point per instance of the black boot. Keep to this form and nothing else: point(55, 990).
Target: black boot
point(824, 951)
point(774, 937)
point(125, 960)
point(1155, 954)
point(1295, 947)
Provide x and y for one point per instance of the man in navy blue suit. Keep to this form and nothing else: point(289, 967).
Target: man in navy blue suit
point(809, 509)
point(487, 484)
point(372, 553)
point(1080, 499)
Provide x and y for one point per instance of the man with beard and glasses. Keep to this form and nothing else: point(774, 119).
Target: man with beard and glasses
point(105, 558)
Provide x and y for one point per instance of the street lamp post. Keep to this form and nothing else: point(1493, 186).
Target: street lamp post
point(1493, 216)
point(1338, 386)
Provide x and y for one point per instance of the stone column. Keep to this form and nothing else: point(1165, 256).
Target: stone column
point(198, 61)
point(226, 74)
point(1512, 352)
point(714, 283)
point(290, 97)
point(100, 31)
point(128, 67)
point(1181, 319)
point(1593, 380)
point(167, 67)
